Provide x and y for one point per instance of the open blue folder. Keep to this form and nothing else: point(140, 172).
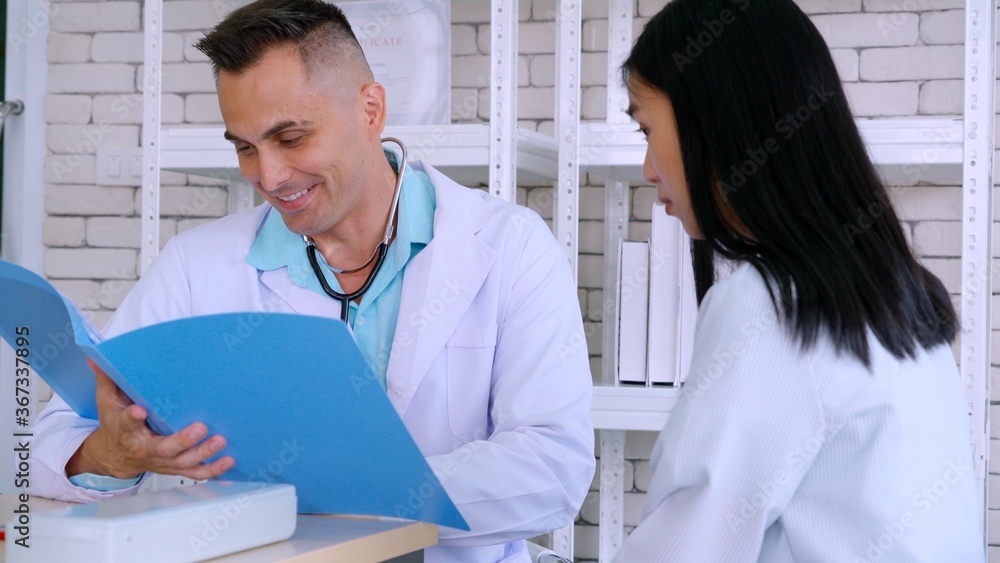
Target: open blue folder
point(292, 394)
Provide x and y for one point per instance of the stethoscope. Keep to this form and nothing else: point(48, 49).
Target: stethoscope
point(378, 256)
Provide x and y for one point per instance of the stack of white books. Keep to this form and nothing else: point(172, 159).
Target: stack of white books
point(657, 305)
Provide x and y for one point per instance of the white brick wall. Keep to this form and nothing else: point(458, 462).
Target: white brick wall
point(897, 58)
point(89, 17)
point(202, 108)
point(186, 15)
point(912, 5)
point(896, 63)
point(941, 97)
point(68, 47)
point(946, 27)
point(90, 263)
point(63, 231)
point(84, 139)
point(89, 200)
point(90, 78)
point(869, 30)
point(128, 47)
point(829, 6)
point(881, 99)
point(847, 64)
point(67, 109)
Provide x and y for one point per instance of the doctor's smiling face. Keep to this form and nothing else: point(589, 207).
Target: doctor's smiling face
point(664, 164)
point(306, 138)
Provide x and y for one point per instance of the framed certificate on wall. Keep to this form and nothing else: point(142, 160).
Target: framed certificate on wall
point(408, 45)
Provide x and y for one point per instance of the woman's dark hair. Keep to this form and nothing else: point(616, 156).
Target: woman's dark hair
point(765, 129)
point(319, 29)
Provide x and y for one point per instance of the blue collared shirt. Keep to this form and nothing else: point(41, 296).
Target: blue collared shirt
point(374, 319)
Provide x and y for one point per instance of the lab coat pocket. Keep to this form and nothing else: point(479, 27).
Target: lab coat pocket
point(470, 371)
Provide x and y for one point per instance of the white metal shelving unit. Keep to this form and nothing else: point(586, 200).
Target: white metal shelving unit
point(905, 151)
point(461, 151)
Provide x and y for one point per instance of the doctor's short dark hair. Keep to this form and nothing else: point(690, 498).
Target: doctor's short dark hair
point(320, 31)
point(767, 137)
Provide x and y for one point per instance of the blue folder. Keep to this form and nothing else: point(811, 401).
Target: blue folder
point(292, 394)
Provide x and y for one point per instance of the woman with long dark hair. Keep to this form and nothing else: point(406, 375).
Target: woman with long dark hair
point(823, 417)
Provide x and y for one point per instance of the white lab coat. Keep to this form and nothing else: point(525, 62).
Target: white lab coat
point(776, 454)
point(489, 368)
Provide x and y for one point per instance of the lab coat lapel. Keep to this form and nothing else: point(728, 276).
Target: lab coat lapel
point(301, 300)
point(439, 285)
point(433, 305)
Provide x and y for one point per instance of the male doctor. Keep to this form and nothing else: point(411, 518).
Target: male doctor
point(471, 325)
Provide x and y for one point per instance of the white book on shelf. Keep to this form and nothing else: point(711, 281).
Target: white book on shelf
point(688, 314)
point(666, 245)
point(633, 295)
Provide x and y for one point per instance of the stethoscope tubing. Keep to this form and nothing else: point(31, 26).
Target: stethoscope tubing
point(345, 298)
point(380, 251)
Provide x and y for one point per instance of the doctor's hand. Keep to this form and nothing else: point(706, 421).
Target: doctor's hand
point(123, 446)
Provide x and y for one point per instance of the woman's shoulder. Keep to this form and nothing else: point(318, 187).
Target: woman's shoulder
point(742, 289)
point(738, 312)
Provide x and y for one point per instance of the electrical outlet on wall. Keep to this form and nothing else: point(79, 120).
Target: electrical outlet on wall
point(119, 166)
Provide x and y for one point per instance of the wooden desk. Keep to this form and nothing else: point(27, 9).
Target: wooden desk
point(316, 538)
point(329, 538)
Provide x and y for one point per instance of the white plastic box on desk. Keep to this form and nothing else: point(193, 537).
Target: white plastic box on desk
point(177, 525)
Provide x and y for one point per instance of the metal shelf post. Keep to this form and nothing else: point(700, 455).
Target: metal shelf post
point(977, 228)
point(565, 221)
point(152, 85)
point(503, 99)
